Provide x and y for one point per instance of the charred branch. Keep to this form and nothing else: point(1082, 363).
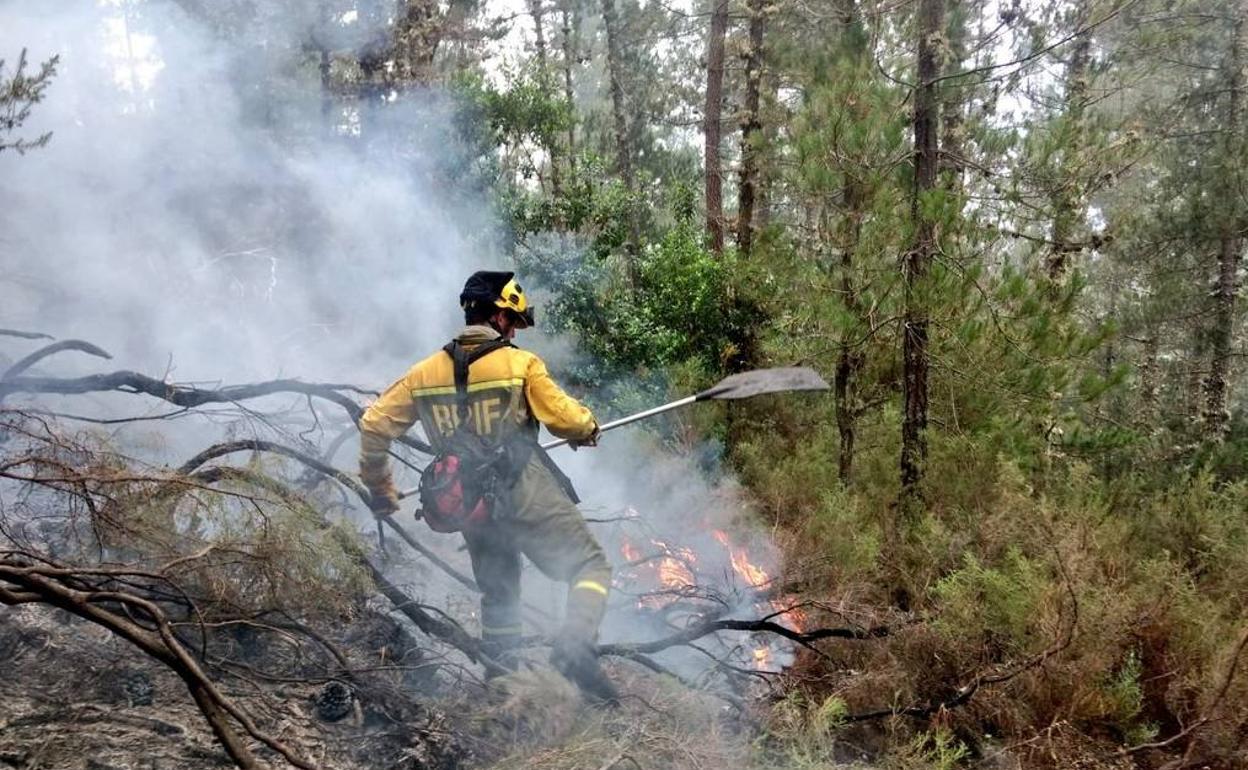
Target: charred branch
point(190, 396)
point(260, 445)
point(435, 627)
point(53, 349)
point(25, 581)
point(25, 335)
point(804, 638)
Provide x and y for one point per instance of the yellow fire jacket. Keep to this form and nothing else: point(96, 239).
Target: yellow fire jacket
point(509, 390)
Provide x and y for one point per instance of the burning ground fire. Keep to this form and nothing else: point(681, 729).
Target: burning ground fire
point(682, 585)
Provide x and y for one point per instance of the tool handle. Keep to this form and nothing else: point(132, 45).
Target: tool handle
point(632, 418)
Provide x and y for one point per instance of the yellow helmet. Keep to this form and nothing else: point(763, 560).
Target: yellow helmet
point(499, 289)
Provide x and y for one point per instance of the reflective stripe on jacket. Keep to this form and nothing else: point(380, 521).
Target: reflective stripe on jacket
point(508, 390)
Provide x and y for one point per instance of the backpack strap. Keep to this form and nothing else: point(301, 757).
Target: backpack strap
point(463, 358)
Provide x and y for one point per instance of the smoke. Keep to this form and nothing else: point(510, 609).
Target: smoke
point(204, 214)
point(196, 206)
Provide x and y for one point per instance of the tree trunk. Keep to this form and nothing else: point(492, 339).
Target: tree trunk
point(713, 124)
point(325, 60)
point(539, 33)
point(918, 260)
point(1230, 246)
point(569, 60)
point(751, 128)
point(953, 103)
point(624, 154)
point(543, 63)
point(1068, 200)
point(850, 359)
point(1150, 384)
point(849, 362)
point(417, 37)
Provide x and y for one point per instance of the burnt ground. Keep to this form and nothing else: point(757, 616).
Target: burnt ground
point(74, 697)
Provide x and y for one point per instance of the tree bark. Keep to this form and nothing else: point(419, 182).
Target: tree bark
point(953, 103)
point(569, 60)
point(1150, 383)
point(1230, 247)
point(624, 153)
point(539, 34)
point(917, 261)
point(751, 128)
point(543, 63)
point(417, 37)
point(850, 359)
point(712, 124)
point(1068, 200)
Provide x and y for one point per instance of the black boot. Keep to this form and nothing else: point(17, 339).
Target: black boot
point(578, 661)
point(503, 650)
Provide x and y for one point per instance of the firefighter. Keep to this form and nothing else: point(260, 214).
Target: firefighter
point(509, 392)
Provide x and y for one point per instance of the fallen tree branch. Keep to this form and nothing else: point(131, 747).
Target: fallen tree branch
point(804, 638)
point(964, 693)
point(33, 584)
point(447, 631)
point(49, 350)
point(25, 335)
point(1227, 678)
point(260, 445)
point(191, 396)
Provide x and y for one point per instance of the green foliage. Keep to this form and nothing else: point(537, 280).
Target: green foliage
point(19, 92)
point(1080, 230)
point(680, 312)
point(933, 750)
point(801, 733)
point(1124, 690)
point(992, 606)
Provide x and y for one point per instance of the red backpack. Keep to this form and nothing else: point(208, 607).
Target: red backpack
point(460, 487)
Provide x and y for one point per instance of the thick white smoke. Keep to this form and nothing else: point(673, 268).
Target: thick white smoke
point(195, 206)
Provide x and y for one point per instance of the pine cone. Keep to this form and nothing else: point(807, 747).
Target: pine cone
point(138, 687)
point(333, 702)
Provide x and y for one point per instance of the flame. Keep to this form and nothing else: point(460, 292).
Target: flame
point(630, 551)
point(751, 573)
point(796, 618)
point(674, 571)
point(670, 569)
point(762, 658)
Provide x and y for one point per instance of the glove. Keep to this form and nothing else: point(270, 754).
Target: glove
point(384, 501)
point(590, 440)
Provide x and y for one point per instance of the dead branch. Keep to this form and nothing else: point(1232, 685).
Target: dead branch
point(687, 636)
point(964, 693)
point(25, 335)
point(1227, 678)
point(260, 445)
point(445, 630)
point(190, 396)
point(32, 583)
point(53, 349)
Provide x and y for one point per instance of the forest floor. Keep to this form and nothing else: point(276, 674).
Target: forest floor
point(73, 697)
